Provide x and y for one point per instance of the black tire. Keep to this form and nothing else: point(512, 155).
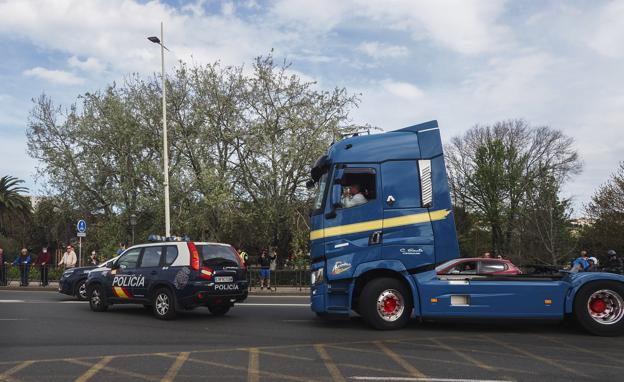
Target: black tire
point(219, 310)
point(80, 291)
point(394, 292)
point(163, 304)
point(97, 298)
point(593, 298)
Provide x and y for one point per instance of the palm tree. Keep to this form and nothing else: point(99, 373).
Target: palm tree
point(12, 203)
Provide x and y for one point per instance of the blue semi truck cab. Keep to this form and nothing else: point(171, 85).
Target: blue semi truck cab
point(383, 221)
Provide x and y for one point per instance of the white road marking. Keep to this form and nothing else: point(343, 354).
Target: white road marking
point(13, 319)
point(284, 296)
point(425, 379)
point(267, 304)
point(11, 301)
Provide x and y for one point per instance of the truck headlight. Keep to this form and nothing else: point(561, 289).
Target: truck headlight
point(317, 276)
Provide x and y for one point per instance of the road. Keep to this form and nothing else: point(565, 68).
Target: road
point(45, 336)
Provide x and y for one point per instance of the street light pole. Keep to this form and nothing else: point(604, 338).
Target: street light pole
point(160, 42)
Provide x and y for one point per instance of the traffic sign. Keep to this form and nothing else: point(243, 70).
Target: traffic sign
point(81, 234)
point(81, 226)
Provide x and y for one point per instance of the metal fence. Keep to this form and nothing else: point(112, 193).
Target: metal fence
point(298, 278)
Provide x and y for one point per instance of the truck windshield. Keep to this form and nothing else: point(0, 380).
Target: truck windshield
point(320, 192)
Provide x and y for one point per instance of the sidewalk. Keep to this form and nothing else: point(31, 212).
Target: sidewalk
point(53, 287)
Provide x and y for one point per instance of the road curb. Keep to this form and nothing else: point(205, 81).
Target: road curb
point(284, 292)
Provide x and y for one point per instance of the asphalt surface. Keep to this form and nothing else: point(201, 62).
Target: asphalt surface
point(45, 336)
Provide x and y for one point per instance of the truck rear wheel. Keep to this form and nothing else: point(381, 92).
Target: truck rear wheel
point(599, 308)
point(385, 304)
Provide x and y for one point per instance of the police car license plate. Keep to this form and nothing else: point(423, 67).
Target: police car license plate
point(224, 279)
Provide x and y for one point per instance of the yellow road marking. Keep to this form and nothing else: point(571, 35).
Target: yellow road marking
point(288, 356)
point(175, 367)
point(329, 364)
point(115, 370)
point(243, 369)
point(400, 361)
point(7, 374)
point(536, 357)
point(462, 355)
point(583, 350)
point(94, 369)
point(253, 370)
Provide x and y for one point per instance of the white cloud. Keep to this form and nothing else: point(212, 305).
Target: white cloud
point(90, 64)
point(378, 50)
point(608, 33)
point(56, 76)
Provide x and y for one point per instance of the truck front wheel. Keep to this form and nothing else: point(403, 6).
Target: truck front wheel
point(385, 304)
point(599, 308)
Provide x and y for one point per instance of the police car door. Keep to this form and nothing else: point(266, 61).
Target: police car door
point(121, 277)
point(147, 271)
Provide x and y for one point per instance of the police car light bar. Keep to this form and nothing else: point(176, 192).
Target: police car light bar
point(158, 238)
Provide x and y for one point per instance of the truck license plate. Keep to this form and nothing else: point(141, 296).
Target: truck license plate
point(224, 279)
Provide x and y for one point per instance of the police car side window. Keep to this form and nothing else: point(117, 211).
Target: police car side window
point(151, 257)
point(171, 252)
point(130, 259)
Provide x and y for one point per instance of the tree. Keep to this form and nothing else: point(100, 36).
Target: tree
point(13, 205)
point(493, 170)
point(606, 214)
point(241, 147)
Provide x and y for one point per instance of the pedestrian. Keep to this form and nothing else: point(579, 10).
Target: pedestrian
point(43, 262)
point(3, 272)
point(273, 258)
point(245, 257)
point(487, 255)
point(265, 270)
point(69, 258)
point(614, 264)
point(581, 263)
point(593, 265)
point(23, 261)
point(122, 248)
point(93, 260)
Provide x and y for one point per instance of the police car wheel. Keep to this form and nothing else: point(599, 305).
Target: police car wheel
point(81, 291)
point(599, 308)
point(385, 304)
point(219, 310)
point(97, 299)
point(163, 304)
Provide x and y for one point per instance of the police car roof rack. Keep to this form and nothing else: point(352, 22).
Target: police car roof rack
point(158, 238)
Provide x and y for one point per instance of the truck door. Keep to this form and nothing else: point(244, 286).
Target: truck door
point(352, 228)
point(407, 230)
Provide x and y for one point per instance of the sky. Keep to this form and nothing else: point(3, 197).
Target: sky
point(464, 62)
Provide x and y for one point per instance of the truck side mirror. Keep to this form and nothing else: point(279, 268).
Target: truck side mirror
point(335, 196)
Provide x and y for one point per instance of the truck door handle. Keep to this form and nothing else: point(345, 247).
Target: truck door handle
point(374, 238)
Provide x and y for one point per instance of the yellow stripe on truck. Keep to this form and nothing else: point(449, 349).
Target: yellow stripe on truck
point(379, 224)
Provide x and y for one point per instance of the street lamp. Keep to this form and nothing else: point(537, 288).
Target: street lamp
point(160, 42)
point(133, 222)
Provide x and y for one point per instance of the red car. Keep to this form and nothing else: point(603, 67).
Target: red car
point(478, 266)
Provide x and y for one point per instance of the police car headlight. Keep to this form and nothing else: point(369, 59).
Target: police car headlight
point(317, 276)
point(68, 272)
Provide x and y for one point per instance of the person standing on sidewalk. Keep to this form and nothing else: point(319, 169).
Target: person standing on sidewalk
point(23, 260)
point(43, 262)
point(69, 258)
point(3, 273)
point(265, 270)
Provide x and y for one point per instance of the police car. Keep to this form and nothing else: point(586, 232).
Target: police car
point(168, 276)
point(73, 280)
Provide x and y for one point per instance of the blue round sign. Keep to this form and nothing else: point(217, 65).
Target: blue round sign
point(81, 226)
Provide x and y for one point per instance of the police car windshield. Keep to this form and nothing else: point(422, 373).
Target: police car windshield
point(218, 255)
